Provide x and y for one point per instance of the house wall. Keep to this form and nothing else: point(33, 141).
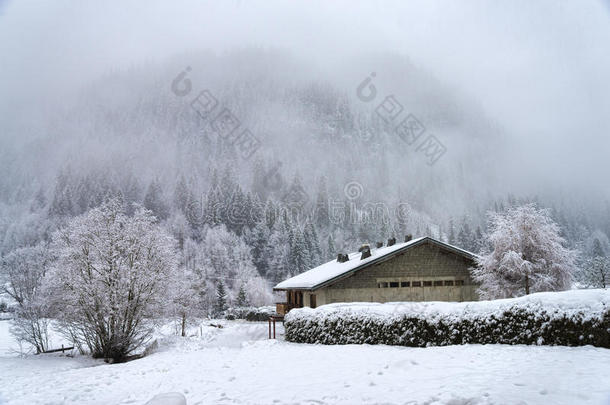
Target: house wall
point(426, 262)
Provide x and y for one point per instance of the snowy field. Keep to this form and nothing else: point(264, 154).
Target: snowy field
point(238, 365)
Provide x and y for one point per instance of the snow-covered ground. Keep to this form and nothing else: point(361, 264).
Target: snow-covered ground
point(238, 365)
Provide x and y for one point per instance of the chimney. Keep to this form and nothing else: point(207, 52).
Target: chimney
point(342, 258)
point(408, 237)
point(379, 244)
point(391, 241)
point(366, 251)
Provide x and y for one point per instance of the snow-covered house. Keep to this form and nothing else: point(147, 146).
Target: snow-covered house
point(422, 269)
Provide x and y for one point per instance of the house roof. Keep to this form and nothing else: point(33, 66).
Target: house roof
point(333, 271)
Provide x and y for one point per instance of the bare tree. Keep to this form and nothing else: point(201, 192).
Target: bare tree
point(23, 270)
point(112, 278)
point(186, 298)
point(527, 255)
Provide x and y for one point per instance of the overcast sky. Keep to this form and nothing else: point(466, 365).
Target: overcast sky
point(541, 69)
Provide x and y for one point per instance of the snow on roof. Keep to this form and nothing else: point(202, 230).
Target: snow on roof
point(333, 269)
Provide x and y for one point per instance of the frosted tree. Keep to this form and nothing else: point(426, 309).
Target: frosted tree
point(181, 195)
point(258, 240)
point(23, 271)
point(300, 259)
point(331, 250)
point(154, 200)
point(451, 238)
point(464, 237)
point(186, 297)
point(313, 244)
point(479, 242)
point(322, 215)
point(178, 226)
point(279, 253)
point(596, 269)
point(62, 204)
point(221, 299)
point(112, 278)
point(224, 255)
point(242, 298)
point(527, 255)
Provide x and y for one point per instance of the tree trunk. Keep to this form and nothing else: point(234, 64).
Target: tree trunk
point(183, 325)
point(527, 285)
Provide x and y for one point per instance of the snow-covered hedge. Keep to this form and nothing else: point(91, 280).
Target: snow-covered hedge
point(252, 314)
point(571, 318)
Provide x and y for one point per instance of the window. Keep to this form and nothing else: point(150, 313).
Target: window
point(312, 300)
point(382, 285)
point(438, 283)
point(448, 282)
point(416, 284)
point(405, 284)
point(427, 283)
point(393, 284)
point(459, 282)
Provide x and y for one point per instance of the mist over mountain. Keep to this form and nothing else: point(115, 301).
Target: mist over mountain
point(97, 114)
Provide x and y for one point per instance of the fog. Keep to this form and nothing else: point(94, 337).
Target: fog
point(518, 92)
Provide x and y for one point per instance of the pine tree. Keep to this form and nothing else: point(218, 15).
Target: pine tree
point(280, 250)
point(83, 193)
point(479, 242)
point(258, 179)
point(220, 199)
point(295, 197)
point(464, 237)
point(132, 193)
point(331, 250)
point(402, 218)
point(212, 209)
point(194, 215)
point(299, 255)
point(258, 240)
point(242, 298)
point(39, 200)
point(270, 214)
point(62, 204)
point(221, 299)
point(154, 201)
point(452, 239)
point(322, 214)
point(313, 244)
point(236, 211)
point(181, 195)
point(255, 210)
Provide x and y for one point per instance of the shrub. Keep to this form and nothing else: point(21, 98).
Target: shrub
point(252, 314)
point(572, 318)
